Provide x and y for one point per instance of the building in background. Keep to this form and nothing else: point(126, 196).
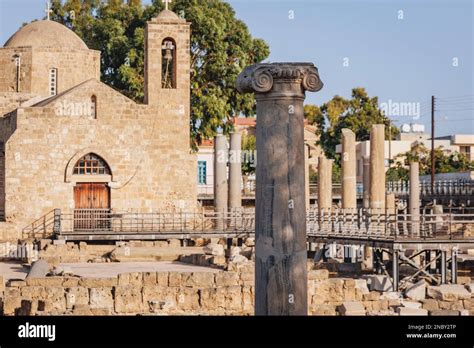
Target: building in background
point(247, 126)
point(409, 136)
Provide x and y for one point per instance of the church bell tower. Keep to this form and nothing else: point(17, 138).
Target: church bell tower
point(167, 64)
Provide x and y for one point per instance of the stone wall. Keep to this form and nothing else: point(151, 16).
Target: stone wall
point(73, 67)
point(220, 293)
point(224, 293)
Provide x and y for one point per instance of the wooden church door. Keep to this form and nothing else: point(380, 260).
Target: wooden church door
point(92, 206)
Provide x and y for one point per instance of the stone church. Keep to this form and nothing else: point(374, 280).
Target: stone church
point(70, 142)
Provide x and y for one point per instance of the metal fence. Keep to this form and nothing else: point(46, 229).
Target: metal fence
point(440, 187)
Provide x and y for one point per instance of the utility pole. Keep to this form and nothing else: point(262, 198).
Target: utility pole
point(432, 143)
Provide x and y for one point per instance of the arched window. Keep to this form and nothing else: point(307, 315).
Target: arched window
point(168, 63)
point(91, 164)
point(94, 106)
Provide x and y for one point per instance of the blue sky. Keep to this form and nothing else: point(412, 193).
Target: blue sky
point(427, 52)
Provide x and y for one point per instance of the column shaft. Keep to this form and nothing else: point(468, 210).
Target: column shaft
point(324, 183)
point(220, 178)
point(280, 222)
point(366, 181)
point(377, 168)
point(235, 171)
point(348, 160)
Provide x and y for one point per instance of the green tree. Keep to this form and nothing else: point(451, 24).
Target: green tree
point(358, 114)
point(249, 147)
point(445, 162)
point(221, 46)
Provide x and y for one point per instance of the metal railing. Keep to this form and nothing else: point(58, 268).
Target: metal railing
point(44, 227)
point(441, 187)
point(90, 221)
point(357, 223)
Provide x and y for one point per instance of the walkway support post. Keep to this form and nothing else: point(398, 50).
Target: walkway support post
point(414, 198)
point(280, 222)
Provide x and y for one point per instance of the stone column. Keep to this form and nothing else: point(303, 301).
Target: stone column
point(324, 183)
point(306, 176)
point(348, 159)
point(377, 168)
point(220, 178)
point(390, 203)
point(235, 171)
point(280, 223)
point(414, 198)
point(366, 181)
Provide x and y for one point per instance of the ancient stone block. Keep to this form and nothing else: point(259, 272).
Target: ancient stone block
point(188, 299)
point(2, 283)
point(233, 298)
point(98, 282)
point(406, 311)
point(361, 285)
point(174, 278)
point(352, 308)
point(132, 279)
point(323, 309)
point(11, 304)
point(56, 300)
point(371, 296)
point(449, 292)
point(76, 296)
point(430, 304)
point(227, 278)
point(214, 249)
point(81, 310)
point(48, 281)
point(318, 274)
point(149, 278)
point(218, 260)
point(101, 298)
point(174, 243)
point(70, 282)
point(16, 283)
point(248, 299)
point(207, 299)
point(417, 291)
point(410, 304)
point(161, 295)
point(162, 278)
point(34, 292)
point(200, 280)
point(444, 312)
point(128, 299)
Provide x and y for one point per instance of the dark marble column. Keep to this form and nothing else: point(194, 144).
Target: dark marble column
point(280, 277)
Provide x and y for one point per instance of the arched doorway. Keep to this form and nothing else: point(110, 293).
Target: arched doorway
point(91, 193)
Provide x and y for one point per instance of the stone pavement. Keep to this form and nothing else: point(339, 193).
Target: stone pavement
point(112, 269)
point(11, 270)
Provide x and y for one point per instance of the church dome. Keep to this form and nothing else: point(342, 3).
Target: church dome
point(46, 34)
point(168, 16)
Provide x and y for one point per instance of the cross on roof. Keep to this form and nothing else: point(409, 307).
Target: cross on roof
point(48, 9)
point(166, 3)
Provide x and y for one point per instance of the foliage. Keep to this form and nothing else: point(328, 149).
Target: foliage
point(358, 114)
point(445, 161)
point(249, 147)
point(221, 46)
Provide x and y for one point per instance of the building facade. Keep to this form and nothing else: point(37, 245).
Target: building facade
point(70, 142)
